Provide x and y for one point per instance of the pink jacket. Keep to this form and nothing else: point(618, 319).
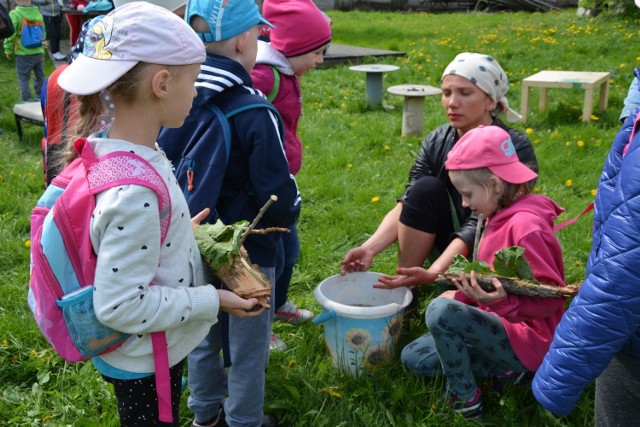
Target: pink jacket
point(288, 102)
point(530, 322)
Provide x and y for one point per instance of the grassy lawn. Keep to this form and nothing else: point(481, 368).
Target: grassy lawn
point(355, 165)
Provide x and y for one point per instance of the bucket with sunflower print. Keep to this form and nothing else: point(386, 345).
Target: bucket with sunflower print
point(361, 323)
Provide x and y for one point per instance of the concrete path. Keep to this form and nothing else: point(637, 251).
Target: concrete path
point(337, 54)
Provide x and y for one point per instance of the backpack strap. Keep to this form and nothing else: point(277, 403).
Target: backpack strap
point(276, 84)
point(124, 168)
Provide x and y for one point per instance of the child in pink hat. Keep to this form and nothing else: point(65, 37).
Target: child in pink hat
point(297, 44)
point(474, 333)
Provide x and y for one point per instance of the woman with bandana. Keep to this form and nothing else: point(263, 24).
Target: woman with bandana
point(429, 215)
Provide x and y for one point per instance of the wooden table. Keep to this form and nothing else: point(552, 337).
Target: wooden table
point(586, 80)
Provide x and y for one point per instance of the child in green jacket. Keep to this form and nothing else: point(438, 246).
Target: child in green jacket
point(28, 57)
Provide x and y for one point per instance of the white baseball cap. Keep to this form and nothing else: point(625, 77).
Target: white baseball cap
point(170, 5)
point(135, 32)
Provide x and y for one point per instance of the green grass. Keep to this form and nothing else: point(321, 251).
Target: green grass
point(353, 155)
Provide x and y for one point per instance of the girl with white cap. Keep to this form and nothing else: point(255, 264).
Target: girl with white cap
point(474, 333)
point(148, 59)
point(430, 215)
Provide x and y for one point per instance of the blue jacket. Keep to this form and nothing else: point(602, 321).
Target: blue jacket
point(604, 318)
point(257, 166)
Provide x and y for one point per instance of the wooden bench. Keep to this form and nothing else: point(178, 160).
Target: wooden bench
point(586, 80)
point(30, 112)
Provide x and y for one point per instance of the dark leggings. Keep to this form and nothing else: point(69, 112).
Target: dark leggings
point(53, 25)
point(427, 208)
point(138, 400)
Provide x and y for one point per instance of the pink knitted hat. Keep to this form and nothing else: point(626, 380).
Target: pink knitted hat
point(300, 27)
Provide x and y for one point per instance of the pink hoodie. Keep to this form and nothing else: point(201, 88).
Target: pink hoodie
point(530, 322)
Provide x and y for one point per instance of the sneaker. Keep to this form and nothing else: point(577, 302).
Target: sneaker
point(59, 56)
point(291, 314)
point(217, 421)
point(276, 344)
point(471, 409)
point(269, 420)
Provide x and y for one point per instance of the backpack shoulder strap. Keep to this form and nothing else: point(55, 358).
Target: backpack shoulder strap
point(125, 168)
point(276, 84)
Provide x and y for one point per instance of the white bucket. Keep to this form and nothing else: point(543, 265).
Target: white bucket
point(361, 323)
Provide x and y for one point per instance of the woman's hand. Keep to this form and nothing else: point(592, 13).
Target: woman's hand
point(357, 259)
point(412, 276)
point(196, 220)
point(470, 288)
point(239, 307)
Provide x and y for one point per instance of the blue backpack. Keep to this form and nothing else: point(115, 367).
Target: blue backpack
point(31, 33)
point(200, 166)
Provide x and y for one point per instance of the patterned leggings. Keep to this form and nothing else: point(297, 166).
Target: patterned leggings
point(465, 342)
point(138, 400)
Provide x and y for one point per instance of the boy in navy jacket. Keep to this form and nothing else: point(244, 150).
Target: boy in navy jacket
point(256, 169)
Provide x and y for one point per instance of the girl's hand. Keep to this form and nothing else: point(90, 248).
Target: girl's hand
point(239, 307)
point(412, 276)
point(196, 220)
point(471, 289)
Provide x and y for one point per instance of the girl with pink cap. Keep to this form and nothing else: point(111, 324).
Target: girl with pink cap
point(474, 333)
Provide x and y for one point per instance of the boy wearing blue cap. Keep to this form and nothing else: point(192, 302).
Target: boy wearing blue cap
point(256, 169)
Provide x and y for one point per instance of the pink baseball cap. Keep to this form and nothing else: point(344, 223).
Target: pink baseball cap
point(132, 33)
point(489, 147)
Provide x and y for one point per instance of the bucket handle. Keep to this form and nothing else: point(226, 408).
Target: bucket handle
point(321, 318)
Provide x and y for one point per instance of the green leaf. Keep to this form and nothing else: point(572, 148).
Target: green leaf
point(461, 264)
point(510, 262)
point(218, 242)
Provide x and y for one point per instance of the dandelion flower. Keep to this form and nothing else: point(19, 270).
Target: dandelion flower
point(349, 165)
point(568, 183)
point(594, 192)
point(343, 105)
point(387, 148)
point(594, 117)
point(292, 363)
point(28, 243)
point(375, 199)
point(528, 131)
point(331, 392)
point(358, 339)
point(580, 143)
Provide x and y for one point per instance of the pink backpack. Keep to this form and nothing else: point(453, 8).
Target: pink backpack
point(63, 262)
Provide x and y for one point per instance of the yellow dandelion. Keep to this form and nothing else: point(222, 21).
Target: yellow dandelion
point(375, 199)
point(594, 117)
point(623, 65)
point(292, 363)
point(568, 183)
point(387, 148)
point(343, 105)
point(594, 192)
point(580, 143)
point(5, 343)
point(568, 143)
point(528, 131)
point(358, 339)
point(349, 165)
point(578, 263)
point(28, 243)
point(331, 392)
